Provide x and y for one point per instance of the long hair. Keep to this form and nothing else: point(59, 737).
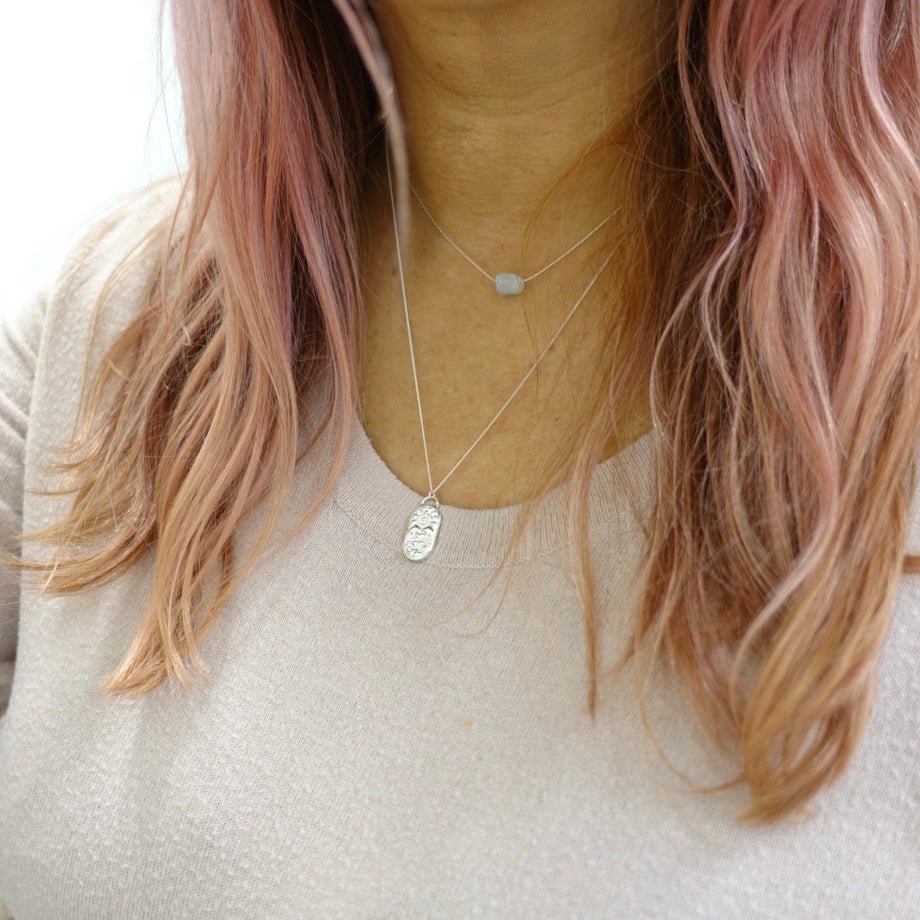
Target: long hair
point(773, 316)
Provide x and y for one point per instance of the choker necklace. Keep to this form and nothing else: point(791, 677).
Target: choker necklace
point(425, 522)
point(506, 283)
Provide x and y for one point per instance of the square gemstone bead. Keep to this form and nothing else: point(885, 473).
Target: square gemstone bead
point(508, 283)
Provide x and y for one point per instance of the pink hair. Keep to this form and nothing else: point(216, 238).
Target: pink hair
point(776, 317)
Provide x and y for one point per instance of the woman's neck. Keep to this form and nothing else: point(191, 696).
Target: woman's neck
point(501, 98)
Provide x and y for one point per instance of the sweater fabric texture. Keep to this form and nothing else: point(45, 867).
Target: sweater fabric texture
point(379, 738)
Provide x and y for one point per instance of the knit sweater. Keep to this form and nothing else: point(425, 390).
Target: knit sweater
point(381, 738)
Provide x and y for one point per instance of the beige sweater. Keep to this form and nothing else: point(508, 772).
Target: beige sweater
point(375, 741)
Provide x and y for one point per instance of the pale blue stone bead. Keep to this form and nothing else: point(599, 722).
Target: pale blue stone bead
point(508, 283)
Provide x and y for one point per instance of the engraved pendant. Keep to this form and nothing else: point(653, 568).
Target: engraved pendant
point(422, 530)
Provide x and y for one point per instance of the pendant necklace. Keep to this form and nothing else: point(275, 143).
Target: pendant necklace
point(506, 283)
point(425, 522)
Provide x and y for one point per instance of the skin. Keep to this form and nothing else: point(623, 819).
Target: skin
point(500, 98)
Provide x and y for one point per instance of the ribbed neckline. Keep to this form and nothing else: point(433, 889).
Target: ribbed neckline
point(380, 503)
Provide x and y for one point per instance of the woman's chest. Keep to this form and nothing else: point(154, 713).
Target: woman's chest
point(359, 752)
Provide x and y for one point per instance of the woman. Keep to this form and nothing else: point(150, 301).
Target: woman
point(512, 419)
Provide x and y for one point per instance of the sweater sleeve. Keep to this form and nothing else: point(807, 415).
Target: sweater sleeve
point(19, 340)
point(62, 313)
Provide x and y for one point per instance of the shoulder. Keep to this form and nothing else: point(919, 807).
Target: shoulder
point(115, 253)
point(121, 225)
point(100, 288)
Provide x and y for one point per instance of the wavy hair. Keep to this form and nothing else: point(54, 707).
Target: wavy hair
point(775, 322)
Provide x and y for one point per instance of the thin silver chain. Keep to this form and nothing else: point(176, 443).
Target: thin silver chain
point(478, 267)
point(402, 283)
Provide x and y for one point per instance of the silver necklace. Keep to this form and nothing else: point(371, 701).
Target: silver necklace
point(425, 522)
point(506, 283)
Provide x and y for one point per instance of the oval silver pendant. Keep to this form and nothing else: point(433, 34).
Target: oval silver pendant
point(422, 531)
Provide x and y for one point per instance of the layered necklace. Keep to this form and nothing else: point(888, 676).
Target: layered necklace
point(425, 522)
point(506, 283)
